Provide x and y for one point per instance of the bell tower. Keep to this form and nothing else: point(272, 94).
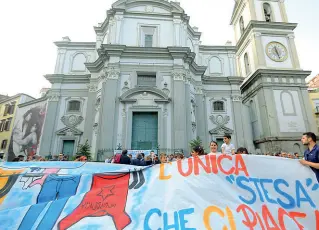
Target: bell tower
point(274, 90)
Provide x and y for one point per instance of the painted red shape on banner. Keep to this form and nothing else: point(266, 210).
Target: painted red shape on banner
point(107, 196)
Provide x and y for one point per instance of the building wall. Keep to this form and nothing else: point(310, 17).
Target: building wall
point(314, 101)
point(5, 135)
point(27, 129)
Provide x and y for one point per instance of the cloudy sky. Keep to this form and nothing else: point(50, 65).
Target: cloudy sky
point(29, 28)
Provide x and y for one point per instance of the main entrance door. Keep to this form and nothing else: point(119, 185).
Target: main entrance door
point(68, 147)
point(144, 131)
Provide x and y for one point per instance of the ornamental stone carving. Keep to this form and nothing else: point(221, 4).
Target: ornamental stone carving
point(71, 120)
point(165, 89)
point(92, 87)
point(236, 98)
point(179, 75)
point(95, 128)
point(149, 9)
point(219, 120)
point(112, 73)
point(125, 87)
point(198, 90)
point(54, 97)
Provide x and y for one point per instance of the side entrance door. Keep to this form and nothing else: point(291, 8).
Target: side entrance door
point(68, 147)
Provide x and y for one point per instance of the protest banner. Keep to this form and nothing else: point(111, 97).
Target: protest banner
point(210, 192)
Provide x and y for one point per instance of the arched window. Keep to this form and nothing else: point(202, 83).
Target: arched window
point(218, 106)
point(74, 106)
point(247, 64)
point(78, 62)
point(215, 65)
point(287, 104)
point(267, 12)
point(241, 25)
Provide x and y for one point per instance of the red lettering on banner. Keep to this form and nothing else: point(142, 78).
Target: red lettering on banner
point(198, 161)
point(248, 222)
point(292, 215)
point(240, 165)
point(212, 164)
point(252, 218)
point(268, 217)
point(190, 167)
point(219, 163)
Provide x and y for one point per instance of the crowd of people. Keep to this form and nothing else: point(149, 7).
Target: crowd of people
point(226, 148)
point(310, 158)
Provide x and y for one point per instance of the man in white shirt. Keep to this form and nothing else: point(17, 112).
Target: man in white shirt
point(227, 147)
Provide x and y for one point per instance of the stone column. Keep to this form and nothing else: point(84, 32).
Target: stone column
point(108, 107)
point(294, 58)
point(188, 110)
point(89, 116)
point(112, 25)
point(179, 104)
point(49, 127)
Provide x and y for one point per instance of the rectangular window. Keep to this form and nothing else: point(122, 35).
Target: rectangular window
point(148, 40)
point(6, 109)
point(148, 36)
point(4, 144)
point(11, 108)
point(146, 80)
point(2, 123)
point(7, 124)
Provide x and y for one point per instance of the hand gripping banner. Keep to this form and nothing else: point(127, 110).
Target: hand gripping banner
point(211, 192)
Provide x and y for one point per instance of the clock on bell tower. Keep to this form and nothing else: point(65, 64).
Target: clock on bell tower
point(274, 90)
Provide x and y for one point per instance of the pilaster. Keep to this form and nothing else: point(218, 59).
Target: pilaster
point(238, 121)
point(108, 108)
point(201, 115)
point(89, 117)
point(179, 104)
point(295, 59)
point(259, 53)
point(47, 137)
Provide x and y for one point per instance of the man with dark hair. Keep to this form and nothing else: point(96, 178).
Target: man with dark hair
point(125, 160)
point(312, 153)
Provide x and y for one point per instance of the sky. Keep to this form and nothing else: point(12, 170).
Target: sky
point(29, 28)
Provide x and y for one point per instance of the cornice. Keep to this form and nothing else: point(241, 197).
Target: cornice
point(272, 72)
point(33, 102)
point(195, 34)
point(217, 48)
point(63, 78)
point(274, 26)
point(67, 44)
point(15, 97)
point(231, 80)
point(96, 66)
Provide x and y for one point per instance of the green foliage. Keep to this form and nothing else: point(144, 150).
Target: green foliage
point(84, 150)
point(195, 142)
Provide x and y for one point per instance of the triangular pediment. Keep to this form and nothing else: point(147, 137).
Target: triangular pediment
point(68, 131)
point(221, 130)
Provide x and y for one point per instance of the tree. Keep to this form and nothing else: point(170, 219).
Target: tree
point(196, 142)
point(84, 150)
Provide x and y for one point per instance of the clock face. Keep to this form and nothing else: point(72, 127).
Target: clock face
point(277, 52)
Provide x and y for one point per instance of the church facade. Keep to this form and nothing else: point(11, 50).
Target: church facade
point(147, 82)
